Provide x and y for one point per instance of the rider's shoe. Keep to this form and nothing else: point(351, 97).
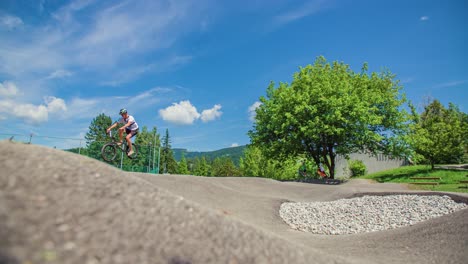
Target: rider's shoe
point(119, 143)
point(131, 152)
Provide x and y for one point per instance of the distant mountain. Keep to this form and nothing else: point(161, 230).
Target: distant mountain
point(234, 153)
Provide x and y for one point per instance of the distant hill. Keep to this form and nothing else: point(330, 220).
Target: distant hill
point(234, 153)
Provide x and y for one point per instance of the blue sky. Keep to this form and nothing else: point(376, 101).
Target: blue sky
point(199, 67)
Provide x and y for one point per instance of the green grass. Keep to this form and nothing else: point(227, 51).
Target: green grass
point(449, 181)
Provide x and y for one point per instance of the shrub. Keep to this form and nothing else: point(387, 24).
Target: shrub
point(357, 168)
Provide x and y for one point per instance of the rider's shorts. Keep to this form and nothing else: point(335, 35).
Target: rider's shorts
point(132, 132)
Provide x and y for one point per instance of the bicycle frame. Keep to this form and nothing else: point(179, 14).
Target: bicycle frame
point(124, 143)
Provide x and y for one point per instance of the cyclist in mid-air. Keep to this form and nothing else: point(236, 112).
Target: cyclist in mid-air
point(130, 126)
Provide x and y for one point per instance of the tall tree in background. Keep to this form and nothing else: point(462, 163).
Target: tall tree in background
point(168, 163)
point(329, 110)
point(182, 166)
point(439, 134)
point(96, 135)
point(201, 167)
point(223, 166)
point(464, 118)
point(253, 163)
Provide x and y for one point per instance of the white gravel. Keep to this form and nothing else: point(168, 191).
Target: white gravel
point(366, 214)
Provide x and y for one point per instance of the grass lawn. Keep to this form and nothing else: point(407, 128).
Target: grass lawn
point(449, 179)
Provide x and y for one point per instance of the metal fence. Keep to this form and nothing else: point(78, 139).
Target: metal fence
point(148, 158)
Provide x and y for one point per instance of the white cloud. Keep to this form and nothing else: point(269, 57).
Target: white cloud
point(59, 74)
point(10, 22)
point(424, 18)
point(36, 53)
point(8, 89)
point(30, 113)
point(55, 104)
point(183, 113)
point(148, 97)
point(211, 114)
point(65, 14)
point(450, 84)
point(127, 74)
point(234, 145)
point(109, 43)
point(88, 108)
point(252, 109)
point(130, 28)
point(307, 9)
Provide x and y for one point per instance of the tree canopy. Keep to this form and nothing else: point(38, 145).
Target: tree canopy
point(201, 166)
point(96, 135)
point(97, 129)
point(439, 134)
point(168, 163)
point(328, 110)
point(182, 167)
point(223, 166)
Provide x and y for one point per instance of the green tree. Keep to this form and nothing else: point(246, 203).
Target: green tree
point(255, 164)
point(148, 143)
point(439, 134)
point(168, 163)
point(329, 110)
point(250, 163)
point(96, 135)
point(201, 167)
point(224, 166)
point(195, 166)
point(182, 166)
point(456, 114)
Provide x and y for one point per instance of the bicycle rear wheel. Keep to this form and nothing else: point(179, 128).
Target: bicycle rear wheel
point(135, 151)
point(109, 151)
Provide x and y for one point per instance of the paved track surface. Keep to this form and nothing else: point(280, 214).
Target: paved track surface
point(59, 207)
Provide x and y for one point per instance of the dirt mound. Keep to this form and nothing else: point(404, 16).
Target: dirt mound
point(59, 207)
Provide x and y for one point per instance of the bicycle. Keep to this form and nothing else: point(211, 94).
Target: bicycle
point(109, 150)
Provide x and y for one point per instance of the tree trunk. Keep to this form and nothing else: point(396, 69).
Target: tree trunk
point(331, 169)
point(332, 166)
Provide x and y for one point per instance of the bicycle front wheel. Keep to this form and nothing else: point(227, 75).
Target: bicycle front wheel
point(109, 152)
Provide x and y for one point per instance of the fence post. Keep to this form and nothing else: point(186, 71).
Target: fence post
point(159, 158)
point(154, 154)
point(154, 150)
point(121, 159)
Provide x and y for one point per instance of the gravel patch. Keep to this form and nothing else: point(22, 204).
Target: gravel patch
point(366, 214)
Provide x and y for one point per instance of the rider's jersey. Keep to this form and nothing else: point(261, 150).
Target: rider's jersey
point(133, 126)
